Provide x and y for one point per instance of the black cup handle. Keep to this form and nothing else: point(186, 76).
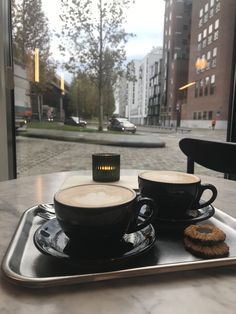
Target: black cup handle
point(147, 217)
point(204, 187)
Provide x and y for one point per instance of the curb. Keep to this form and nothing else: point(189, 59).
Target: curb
point(96, 141)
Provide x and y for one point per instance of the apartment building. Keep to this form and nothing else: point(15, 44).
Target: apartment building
point(120, 96)
point(199, 41)
point(139, 90)
point(210, 64)
point(176, 45)
point(154, 101)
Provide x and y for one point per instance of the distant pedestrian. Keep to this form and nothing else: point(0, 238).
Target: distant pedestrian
point(213, 124)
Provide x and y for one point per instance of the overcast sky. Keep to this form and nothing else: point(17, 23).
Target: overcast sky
point(145, 19)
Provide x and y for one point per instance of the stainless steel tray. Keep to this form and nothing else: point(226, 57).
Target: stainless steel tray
point(24, 265)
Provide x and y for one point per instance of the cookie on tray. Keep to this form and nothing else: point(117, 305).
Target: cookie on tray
point(205, 234)
point(205, 251)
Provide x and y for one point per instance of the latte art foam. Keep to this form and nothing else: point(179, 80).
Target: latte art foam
point(169, 177)
point(95, 196)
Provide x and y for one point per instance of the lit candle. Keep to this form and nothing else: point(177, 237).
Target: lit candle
point(106, 167)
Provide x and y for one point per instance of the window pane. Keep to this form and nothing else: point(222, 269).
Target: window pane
point(71, 82)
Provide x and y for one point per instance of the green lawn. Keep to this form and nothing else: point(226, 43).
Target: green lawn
point(57, 126)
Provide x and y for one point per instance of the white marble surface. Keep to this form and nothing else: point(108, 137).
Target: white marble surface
point(199, 291)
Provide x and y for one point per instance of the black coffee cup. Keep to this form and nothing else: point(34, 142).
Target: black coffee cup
point(100, 212)
point(175, 193)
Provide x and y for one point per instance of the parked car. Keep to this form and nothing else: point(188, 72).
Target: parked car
point(20, 123)
point(121, 124)
point(75, 121)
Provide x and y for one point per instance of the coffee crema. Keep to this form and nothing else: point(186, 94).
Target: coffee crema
point(95, 195)
point(172, 177)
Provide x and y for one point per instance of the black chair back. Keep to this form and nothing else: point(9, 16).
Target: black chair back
point(214, 155)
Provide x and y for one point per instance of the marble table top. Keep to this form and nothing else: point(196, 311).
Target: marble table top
point(210, 290)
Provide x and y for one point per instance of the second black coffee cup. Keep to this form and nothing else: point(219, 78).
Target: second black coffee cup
point(100, 212)
point(175, 193)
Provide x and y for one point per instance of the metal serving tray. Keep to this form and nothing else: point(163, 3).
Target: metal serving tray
point(24, 265)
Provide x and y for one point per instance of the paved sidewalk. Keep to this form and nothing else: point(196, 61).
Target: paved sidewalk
point(42, 155)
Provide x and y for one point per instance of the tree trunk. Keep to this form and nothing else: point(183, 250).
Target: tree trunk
point(100, 84)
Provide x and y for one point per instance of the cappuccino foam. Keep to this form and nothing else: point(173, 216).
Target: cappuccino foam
point(172, 177)
point(95, 195)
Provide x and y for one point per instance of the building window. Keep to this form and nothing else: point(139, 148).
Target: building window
point(207, 79)
point(206, 18)
point(210, 115)
point(194, 116)
point(201, 87)
point(210, 28)
point(204, 116)
point(200, 22)
point(217, 7)
point(216, 35)
point(199, 37)
point(204, 43)
point(208, 55)
point(212, 2)
point(201, 13)
point(206, 7)
point(213, 64)
point(209, 39)
point(205, 33)
point(196, 88)
point(217, 24)
point(212, 85)
point(211, 13)
point(199, 115)
point(199, 47)
point(214, 52)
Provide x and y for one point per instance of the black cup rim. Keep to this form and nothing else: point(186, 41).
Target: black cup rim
point(105, 154)
point(95, 207)
point(170, 183)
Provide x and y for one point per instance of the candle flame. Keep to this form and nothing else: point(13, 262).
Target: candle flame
point(106, 168)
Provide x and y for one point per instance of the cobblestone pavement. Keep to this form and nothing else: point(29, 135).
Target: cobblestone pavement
point(40, 156)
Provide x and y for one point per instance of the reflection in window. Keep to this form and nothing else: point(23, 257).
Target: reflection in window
point(201, 87)
point(216, 35)
point(207, 80)
point(214, 53)
point(211, 13)
point(217, 24)
point(217, 7)
point(205, 17)
point(212, 85)
point(209, 39)
point(210, 28)
point(201, 13)
point(213, 64)
point(210, 115)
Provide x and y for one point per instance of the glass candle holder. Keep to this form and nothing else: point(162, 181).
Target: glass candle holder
point(106, 167)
